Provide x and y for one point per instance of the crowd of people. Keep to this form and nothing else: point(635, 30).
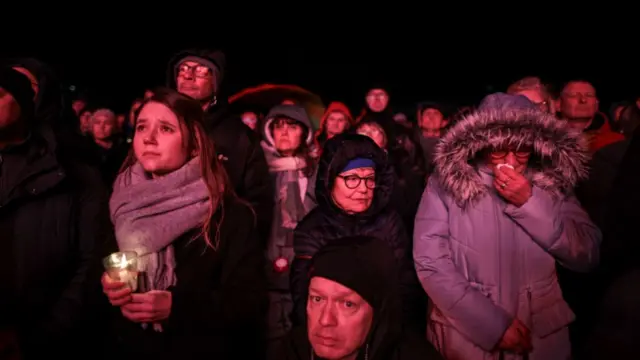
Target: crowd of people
point(502, 230)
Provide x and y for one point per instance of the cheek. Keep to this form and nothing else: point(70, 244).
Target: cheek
point(204, 85)
point(354, 331)
point(370, 102)
point(573, 103)
point(370, 193)
point(138, 146)
point(172, 148)
point(341, 192)
point(277, 139)
point(522, 164)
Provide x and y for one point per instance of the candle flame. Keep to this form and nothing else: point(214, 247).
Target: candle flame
point(123, 261)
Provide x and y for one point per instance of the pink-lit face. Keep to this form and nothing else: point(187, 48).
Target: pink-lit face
point(158, 142)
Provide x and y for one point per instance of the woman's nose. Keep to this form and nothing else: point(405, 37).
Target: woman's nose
point(149, 137)
point(362, 187)
point(511, 159)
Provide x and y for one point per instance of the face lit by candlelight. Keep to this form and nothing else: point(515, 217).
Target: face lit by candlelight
point(158, 142)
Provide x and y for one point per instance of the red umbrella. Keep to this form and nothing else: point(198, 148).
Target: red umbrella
point(263, 97)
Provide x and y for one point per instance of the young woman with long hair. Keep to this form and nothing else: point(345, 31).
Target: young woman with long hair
point(200, 290)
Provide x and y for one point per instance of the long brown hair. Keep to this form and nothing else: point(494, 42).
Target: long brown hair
point(191, 118)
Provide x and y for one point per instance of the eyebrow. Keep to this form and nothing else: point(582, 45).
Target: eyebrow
point(165, 122)
point(339, 295)
point(364, 173)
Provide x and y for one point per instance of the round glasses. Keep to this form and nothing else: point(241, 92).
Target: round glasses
point(199, 71)
point(521, 154)
point(353, 181)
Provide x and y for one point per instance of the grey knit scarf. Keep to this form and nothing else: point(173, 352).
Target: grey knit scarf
point(149, 214)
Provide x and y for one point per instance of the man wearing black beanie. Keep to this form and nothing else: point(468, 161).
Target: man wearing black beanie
point(354, 309)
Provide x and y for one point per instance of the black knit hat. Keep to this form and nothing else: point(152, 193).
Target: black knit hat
point(361, 263)
point(19, 87)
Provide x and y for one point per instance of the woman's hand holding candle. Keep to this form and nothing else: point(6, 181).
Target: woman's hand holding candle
point(118, 292)
point(150, 307)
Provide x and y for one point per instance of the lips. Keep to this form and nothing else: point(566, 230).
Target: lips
point(149, 153)
point(326, 341)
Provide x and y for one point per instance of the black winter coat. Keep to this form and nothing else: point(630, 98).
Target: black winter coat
point(54, 224)
point(327, 222)
point(238, 147)
point(219, 303)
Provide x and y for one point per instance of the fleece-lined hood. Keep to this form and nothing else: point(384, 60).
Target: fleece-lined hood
point(558, 159)
point(293, 112)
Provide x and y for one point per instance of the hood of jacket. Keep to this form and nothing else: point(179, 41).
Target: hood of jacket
point(335, 106)
point(293, 112)
point(338, 151)
point(559, 155)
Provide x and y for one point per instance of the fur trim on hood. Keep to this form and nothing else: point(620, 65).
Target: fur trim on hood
point(557, 163)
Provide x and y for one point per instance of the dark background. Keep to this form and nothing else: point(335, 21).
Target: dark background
point(458, 72)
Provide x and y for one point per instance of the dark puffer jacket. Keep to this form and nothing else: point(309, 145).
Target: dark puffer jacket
point(238, 148)
point(328, 222)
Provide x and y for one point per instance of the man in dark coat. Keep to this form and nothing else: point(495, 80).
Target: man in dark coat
point(198, 73)
point(53, 219)
point(350, 315)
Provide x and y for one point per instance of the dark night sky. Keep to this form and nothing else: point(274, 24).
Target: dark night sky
point(412, 73)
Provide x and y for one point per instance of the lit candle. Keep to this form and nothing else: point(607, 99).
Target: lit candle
point(123, 267)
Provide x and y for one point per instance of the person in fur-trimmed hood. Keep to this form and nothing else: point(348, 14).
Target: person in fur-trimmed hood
point(495, 217)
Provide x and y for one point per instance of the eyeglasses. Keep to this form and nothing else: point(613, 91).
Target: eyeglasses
point(199, 71)
point(353, 181)
point(521, 154)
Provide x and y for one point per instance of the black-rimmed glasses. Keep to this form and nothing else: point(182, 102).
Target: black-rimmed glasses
point(353, 181)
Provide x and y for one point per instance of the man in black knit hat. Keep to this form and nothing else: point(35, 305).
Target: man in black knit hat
point(354, 309)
